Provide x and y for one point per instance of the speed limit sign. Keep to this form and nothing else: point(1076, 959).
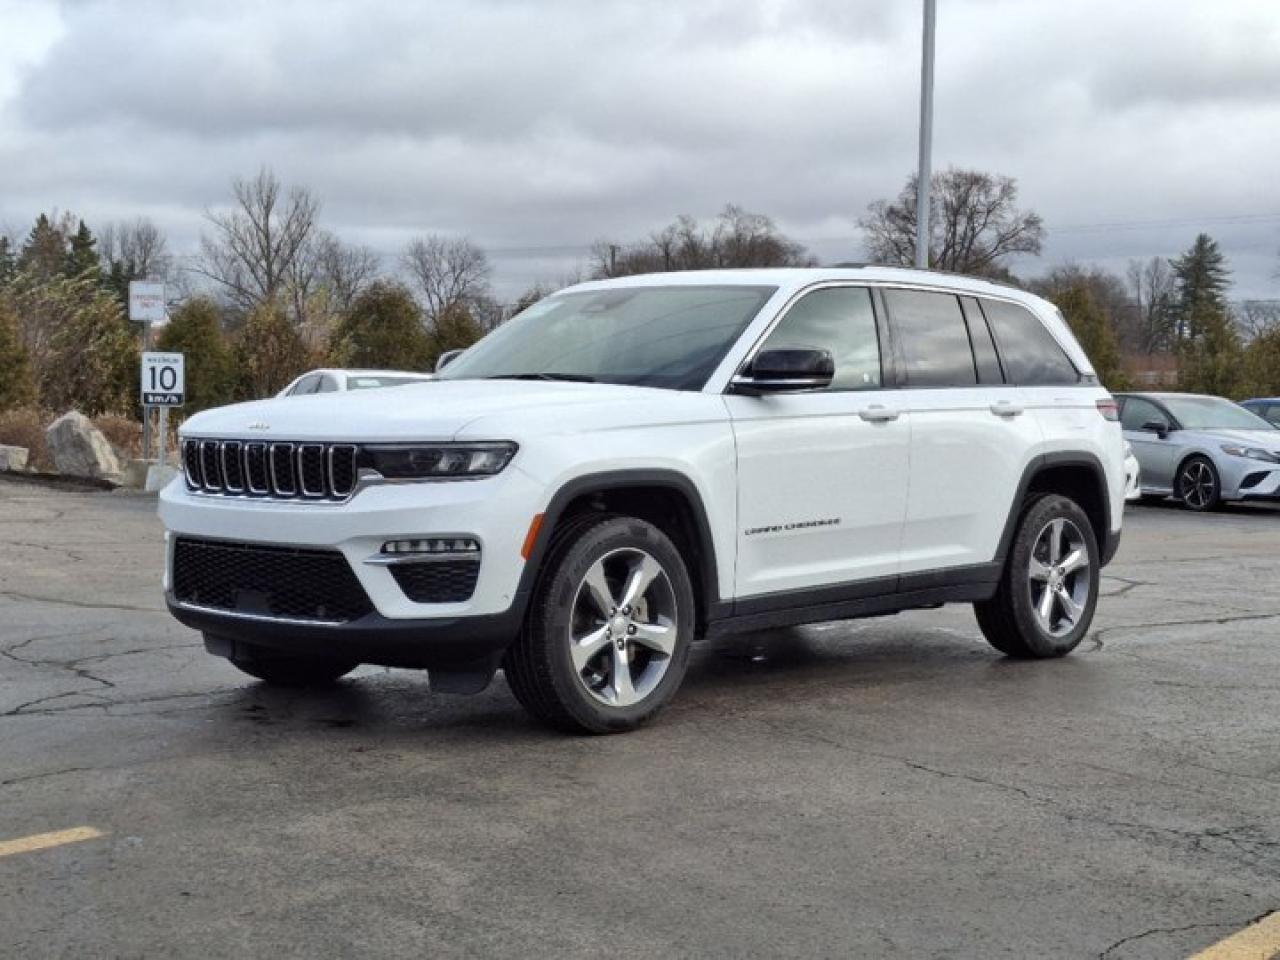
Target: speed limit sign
point(163, 384)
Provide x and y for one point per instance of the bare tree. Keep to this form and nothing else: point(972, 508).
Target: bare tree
point(1257, 318)
point(737, 238)
point(974, 224)
point(448, 271)
point(254, 249)
point(1154, 290)
point(136, 248)
point(345, 271)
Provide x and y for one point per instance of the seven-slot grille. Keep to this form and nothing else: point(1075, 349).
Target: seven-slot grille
point(278, 470)
point(290, 583)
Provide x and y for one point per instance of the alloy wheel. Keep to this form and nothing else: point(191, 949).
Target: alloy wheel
point(1198, 484)
point(623, 630)
point(1059, 577)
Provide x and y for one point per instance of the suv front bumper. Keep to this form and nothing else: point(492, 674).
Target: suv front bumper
point(454, 643)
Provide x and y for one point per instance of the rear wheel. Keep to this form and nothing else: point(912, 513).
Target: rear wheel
point(1198, 487)
point(607, 639)
point(283, 670)
point(1046, 598)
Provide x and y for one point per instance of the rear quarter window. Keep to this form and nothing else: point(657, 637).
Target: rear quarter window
point(1031, 355)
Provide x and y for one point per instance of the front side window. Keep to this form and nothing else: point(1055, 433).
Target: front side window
point(934, 339)
point(306, 385)
point(671, 337)
point(1032, 357)
point(327, 385)
point(842, 321)
point(1138, 413)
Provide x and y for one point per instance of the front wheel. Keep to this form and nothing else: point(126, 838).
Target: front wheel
point(1198, 486)
point(607, 639)
point(1047, 594)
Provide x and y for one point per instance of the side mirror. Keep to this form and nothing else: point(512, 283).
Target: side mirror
point(447, 358)
point(786, 371)
point(1158, 427)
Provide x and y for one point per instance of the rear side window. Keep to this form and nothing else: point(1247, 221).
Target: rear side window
point(984, 351)
point(839, 319)
point(933, 337)
point(1032, 357)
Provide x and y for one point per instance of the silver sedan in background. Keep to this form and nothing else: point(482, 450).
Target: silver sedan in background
point(1201, 450)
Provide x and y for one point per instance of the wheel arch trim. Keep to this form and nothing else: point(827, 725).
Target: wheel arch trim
point(1108, 539)
point(705, 570)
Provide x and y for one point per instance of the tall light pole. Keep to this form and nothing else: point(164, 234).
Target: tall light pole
point(924, 172)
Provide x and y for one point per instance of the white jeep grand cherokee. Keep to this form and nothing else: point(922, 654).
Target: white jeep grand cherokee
point(633, 464)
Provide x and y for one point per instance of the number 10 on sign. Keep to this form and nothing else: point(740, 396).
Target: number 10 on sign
point(162, 380)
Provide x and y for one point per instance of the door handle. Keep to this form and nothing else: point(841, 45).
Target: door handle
point(1006, 409)
point(877, 414)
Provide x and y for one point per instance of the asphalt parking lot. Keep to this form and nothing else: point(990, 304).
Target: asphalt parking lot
point(883, 788)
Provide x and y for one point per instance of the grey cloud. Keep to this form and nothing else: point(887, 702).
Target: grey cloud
point(550, 124)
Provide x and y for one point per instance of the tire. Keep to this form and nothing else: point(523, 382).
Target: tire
point(1014, 621)
point(633, 660)
point(1197, 485)
point(282, 670)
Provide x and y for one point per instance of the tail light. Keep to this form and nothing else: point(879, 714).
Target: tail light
point(1109, 409)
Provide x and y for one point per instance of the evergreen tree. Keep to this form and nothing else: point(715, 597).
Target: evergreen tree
point(82, 255)
point(1202, 278)
point(1214, 361)
point(17, 387)
point(1095, 330)
point(195, 330)
point(383, 328)
point(269, 351)
point(8, 262)
point(44, 255)
point(455, 328)
point(1262, 364)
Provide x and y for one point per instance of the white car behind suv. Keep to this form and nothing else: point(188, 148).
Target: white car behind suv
point(633, 464)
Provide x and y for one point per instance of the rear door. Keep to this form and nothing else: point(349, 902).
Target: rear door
point(822, 475)
point(969, 432)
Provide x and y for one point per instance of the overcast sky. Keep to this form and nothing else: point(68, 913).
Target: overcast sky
point(538, 126)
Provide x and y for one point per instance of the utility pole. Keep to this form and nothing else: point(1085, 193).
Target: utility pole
point(924, 172)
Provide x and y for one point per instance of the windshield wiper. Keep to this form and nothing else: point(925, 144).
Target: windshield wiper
point(570, 377)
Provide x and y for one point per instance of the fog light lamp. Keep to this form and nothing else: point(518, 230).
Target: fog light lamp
point(432, 545)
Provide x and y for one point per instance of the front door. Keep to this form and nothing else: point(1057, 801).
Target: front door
point(822, 474)
point(1154, 451)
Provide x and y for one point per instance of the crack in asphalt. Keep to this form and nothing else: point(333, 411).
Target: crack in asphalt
point(48, 773)
point(1190, 926)
point(1101, 632)
point(1197, 838)
point(60, 601)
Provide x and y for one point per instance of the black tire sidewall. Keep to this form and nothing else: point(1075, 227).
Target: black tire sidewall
point(1039, 642)
point(1217, 483)
point(555, 610)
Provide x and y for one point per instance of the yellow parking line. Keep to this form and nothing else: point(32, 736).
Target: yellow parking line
point(42, 841)
point(1258, 941)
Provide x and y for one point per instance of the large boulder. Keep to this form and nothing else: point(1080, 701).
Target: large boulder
point(79, 449)
point(12, 458)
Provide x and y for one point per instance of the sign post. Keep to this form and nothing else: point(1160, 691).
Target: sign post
point(164, 386)
point(146, 306)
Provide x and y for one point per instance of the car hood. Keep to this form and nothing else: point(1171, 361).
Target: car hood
point(442, 409)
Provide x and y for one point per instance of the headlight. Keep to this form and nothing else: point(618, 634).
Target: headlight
point(1253, 453)
point(438, 461)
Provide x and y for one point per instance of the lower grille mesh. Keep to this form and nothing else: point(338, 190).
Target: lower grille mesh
point(283, 582)
point(448, 581)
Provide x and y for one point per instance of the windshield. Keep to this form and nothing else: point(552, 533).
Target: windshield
point(366, 383)
point(1213, 413)
point(670, 337)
